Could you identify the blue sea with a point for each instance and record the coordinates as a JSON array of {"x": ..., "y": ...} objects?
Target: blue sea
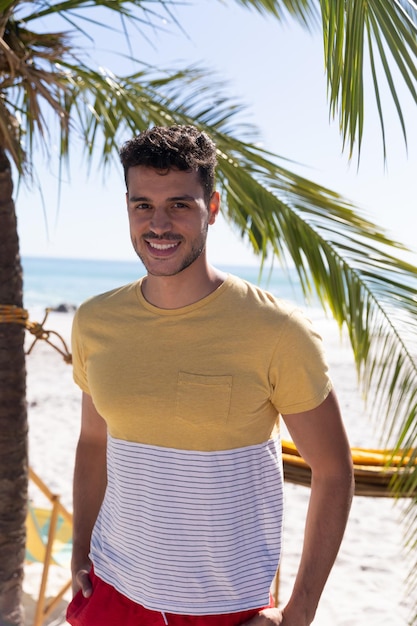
[{"x": 49, "y": 282}]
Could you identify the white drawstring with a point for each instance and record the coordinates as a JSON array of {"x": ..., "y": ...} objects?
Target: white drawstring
[{"x": 165, "y": 618}]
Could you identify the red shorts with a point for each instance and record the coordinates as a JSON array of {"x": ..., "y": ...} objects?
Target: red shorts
[{"x": 108, "y": 607}]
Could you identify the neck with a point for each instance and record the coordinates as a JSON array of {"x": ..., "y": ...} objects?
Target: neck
[{"x": 183, "y": 289}]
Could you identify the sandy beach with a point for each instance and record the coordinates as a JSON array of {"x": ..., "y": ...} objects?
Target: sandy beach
[{"x": 366, "y": 587}]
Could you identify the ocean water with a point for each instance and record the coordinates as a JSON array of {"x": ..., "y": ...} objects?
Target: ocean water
[{"x": 49, "y": 282}]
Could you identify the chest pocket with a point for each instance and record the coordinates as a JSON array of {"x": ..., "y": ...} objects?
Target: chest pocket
[{"x": 203, "y": 399}]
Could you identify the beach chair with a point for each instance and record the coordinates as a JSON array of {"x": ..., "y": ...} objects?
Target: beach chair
[{"x": 49, "y": 541}]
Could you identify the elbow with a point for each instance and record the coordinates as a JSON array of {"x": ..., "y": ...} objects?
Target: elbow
[
  {"x": 347, "y": 483},
  {"x": 339, "y": 480}
]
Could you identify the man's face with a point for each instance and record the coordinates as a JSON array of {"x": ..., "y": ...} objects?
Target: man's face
[{"x": 168, "y": 218}]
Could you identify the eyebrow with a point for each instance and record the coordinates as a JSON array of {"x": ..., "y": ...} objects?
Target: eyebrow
[{"x": 171, "y": 199}]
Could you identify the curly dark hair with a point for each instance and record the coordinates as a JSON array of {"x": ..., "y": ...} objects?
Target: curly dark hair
[{"x": 173, "y": 147}]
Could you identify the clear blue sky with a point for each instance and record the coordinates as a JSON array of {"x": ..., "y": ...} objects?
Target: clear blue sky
[{"x": 277, "y": 71}]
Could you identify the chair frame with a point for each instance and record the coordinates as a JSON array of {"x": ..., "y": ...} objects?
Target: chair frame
[{"x": 43, "y": 607}]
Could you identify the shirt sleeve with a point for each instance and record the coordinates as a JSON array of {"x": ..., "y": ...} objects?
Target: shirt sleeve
[
  {"x": 299, "y": 371},
  {"x": 78, "y": 354}
]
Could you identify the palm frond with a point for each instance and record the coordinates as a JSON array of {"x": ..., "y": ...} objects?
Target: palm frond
[
  {"x": 358, "y": 35},
  {"x": 305, "y": 11},
  {"x": 387, "y": 31},
  {"x": 75, "y": 12}
]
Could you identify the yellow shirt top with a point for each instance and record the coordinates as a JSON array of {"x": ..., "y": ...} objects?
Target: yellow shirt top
[{"x": 214, "y": 375}]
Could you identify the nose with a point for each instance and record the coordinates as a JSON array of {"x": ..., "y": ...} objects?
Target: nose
[{"x": 160, "y": 221}]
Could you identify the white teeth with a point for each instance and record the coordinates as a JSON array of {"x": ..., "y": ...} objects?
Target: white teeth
[{"x": 162, "y": 246}]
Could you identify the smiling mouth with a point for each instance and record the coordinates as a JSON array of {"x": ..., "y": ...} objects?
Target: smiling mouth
[
  {"x": 162, "y": 249},
  {"x": 162, "y": 246}
]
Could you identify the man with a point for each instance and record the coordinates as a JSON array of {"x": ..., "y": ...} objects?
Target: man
[{"x": 185, "y": 374}]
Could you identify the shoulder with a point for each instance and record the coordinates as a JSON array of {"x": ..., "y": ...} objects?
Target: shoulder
[
  {"x": 259, "y": 306},
  {"x": 103, "y": 303},
  {"x": 253, "y": 297}
]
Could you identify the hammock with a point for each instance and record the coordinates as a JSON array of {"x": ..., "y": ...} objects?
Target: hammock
[{"x": 375, "y": 470}]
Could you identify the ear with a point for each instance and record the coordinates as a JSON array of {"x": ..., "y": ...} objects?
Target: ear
[{"x": 214, "y": 207}]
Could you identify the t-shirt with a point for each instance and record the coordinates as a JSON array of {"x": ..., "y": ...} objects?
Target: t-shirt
[{"x": 192, "y": 516}]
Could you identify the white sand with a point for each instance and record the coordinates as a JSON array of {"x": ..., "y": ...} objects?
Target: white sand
[{"x": 366, "y": 587}]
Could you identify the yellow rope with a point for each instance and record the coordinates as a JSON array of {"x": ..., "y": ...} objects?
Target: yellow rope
[{"x": 11, "y": 314}]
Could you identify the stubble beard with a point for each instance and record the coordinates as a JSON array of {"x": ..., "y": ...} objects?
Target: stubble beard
[{"x": 197, "y": 249}]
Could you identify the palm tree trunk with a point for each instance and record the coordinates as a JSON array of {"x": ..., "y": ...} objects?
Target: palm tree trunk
[{"x": 13, "y": 415}]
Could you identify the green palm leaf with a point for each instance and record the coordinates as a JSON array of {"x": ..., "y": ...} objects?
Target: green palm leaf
[{"x": 385, "y": 30}]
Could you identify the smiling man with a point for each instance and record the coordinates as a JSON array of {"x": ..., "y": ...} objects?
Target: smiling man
[
  {"x": 186, "y": 373},
  {"x": 169, "y": 217}
]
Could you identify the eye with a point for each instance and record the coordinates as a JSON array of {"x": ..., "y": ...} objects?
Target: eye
[
  {"x": 180, "y": 205},
  {"x": 142, "y": 206}
]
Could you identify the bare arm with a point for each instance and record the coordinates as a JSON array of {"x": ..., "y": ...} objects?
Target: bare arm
[
  {"x": 88, "y": 489},
  {"x": 321, "y": 440}
]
